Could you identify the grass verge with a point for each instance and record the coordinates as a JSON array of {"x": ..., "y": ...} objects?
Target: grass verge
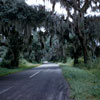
[
  {"x": 22, "y": 66},
  {"x": 84, "y": 83}
]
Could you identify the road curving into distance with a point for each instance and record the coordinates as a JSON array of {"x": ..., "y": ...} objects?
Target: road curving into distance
[{"x": 45, "y": 82}]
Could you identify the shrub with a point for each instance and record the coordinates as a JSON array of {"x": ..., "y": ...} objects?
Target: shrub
[
  {"x": 91, "y": 64},
  {"x": 6, "y": 63}
]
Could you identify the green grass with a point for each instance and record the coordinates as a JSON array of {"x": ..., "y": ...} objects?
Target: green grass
[
  {"x": 25, "y": 64},
  {"x": 22, "y": 66},
  {"x": 84, "y": 83},
  {"x": 92, "y": 64}
]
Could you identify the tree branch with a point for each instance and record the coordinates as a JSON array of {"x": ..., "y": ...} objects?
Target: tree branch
[{"x": 86, "y": 5}]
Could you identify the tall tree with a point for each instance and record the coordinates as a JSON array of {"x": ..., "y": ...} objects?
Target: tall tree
[
  {"x": 18, "y": 19},
  {"x": 76, "y": 10}
]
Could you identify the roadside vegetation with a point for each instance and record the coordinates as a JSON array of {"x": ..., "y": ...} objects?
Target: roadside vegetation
[
  {"x": 23, "y": 65},
  {"x": 84, "y": 79},
  {"x": 33, "y": 34}
]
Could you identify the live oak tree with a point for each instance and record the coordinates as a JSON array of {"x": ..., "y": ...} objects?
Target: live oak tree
[
  {"x": 17, "y": 20},
  {"x": 76, "y": 10},
  {"x": 57, "y": 42},
  {"x": 60, "y": 38}
]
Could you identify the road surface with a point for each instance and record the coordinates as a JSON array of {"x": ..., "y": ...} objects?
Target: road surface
[{"x": 45, "y": 82}]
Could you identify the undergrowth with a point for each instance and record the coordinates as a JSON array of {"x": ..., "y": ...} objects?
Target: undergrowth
[
  {"x": 84, "y": 80},
  {"x": 23, "y": 64}
]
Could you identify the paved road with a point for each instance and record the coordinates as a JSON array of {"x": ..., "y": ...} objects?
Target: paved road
[{"x": 43, "y": 83}]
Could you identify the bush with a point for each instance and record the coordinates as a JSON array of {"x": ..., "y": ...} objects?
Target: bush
[
  {"x": 91, "y": 64},
  {"x": 6, "y": 64}
]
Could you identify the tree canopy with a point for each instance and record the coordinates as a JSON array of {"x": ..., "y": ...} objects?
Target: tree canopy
[{"x": 38, "y": 34}]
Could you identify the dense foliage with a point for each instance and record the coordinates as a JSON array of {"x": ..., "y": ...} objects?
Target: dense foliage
[
  {"x": 17, "y": 22},
  {"x": 36, "y": 34}
]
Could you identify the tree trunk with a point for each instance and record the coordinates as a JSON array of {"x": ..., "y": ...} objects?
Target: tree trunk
[
  {"x": 75, "y": 60},
  {"x": 84, "y": 47},
  {"x": 84, "y": 51},
  {"x": 15, "y": 61},
  {"x": 83, "y": 44}
]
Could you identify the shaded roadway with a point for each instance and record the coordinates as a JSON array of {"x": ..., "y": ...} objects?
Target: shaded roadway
[{"x": 45, "y": 82}]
